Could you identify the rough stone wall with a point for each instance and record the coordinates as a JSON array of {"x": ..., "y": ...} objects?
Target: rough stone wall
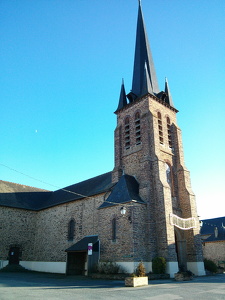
[
  {"x": 43, "y": 235},
  {"x": 147, "y": 162},
  {"x": 17, "y": 228},
  {"x": 214, "y": 251},
  {"x": 51, "y": 238},
  {"x": 130, "y": 243}
]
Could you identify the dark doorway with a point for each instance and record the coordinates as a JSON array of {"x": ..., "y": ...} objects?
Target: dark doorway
[
  {"x": 76, "y": 263},
  {"x": 14, "y": 254},
  {"x": 181, "y": 250}
]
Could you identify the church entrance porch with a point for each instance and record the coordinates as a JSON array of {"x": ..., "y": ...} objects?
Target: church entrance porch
[{"x": 82, "y": 256}]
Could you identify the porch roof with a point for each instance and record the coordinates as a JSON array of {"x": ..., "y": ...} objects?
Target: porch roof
[{"x": 82, "y": 245}]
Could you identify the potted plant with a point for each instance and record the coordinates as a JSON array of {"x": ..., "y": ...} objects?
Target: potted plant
[{"x": 138, "y": 278}]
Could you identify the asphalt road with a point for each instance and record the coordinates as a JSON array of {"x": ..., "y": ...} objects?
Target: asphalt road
[{"x": 39, "y": 286}]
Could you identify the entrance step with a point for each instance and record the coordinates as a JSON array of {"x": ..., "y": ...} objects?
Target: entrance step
[{"x": 13, "y": 268}]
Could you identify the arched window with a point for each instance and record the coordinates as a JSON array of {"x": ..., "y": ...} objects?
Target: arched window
[
  {"x": 127, "y": 133},
  {"x": 168, "y": 175},
  {"x": 114, "y": 229},
  {"x": 160, "y": 128},
  {"x": 71, "y": 228},
  {"x": 169, "y": 132},
  {"x": 170, "y": 178},
  {"x": 138, "y": 128}
]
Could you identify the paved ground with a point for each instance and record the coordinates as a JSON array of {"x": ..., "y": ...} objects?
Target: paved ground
[{"x": 39, "y": 286}]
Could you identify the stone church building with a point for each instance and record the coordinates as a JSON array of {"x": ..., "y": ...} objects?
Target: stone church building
[{"x": 142, "y": 209}]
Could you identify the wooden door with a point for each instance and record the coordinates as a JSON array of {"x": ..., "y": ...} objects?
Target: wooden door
[{"x": 76, "y": 263}]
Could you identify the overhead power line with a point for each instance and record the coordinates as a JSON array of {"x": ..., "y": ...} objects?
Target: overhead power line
[
  {"x": 47, "y": 183},
  {"x": 41, "y": 181}
]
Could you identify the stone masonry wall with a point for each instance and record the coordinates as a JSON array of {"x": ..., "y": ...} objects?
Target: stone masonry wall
[
  {"x": 51, "y": 238},
  {"x": 130, "y": 243},
  {"x": 17, "y": 228},
  {"x": 214, "y": 251},
  {"x": 147, "y": 162}
]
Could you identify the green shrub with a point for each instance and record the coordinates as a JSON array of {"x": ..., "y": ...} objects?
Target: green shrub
[
  {"x": 107, "y": 268},
  {"x": 140, "y": 271},
  {"x": 159, "y": 265},
  {"x": 210, "y": 265}
]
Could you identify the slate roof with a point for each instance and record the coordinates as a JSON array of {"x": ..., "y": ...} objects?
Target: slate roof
[
  {"x": 90, "y": 187},
  {"x": 30, "y": 198},
  {"x": 144, "y": 75},
  {"x": 123, "y": 97},
  {"x": 143, "y": 57},
  {"x": 22, "y": 196},
  {"x": 126, "y": 190},
  {"x": 25, "y": 197},
  {"x": 208, "y": 228}
]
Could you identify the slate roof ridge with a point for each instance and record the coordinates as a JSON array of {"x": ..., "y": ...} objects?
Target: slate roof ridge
[
  {"x": 36, "y": 199},
  {"x": 81, "y": 190},
  {"x": 83, "y": 181},
  {"x": 210, "y": 219},
  {"x": 24, "y": 185}
]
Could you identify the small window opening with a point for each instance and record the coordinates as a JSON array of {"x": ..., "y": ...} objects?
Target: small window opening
[
  {"x": 114, "y": 229},
  {"x": 170, "y": 179},
  {"x": 168, "y": 175},
  {"x": 71, "y": 228}
]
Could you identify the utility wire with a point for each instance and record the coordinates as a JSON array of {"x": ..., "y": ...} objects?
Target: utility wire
[{"x": 55, "y": 186}]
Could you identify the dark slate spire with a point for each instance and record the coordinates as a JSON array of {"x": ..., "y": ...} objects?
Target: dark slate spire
[
  {"x": 123, "y": 98},
  {"x": 142, "y": 56},
  {"x": 168, "y": 99},
  {"x": 146, "y": 88}
]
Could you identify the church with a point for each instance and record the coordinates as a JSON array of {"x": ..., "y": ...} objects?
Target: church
[{"x": 142, "y": 209}]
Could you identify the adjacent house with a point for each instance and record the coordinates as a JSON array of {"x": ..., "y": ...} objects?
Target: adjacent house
[{"x": 213, "y": 238}]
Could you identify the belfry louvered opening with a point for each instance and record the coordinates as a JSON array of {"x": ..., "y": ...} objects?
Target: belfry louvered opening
[
  {"x": 138, "y": 128},
  {"x": 127, "y": 133}
]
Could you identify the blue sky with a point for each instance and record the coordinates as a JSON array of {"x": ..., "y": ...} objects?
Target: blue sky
[{"x": 62, "y": 63}]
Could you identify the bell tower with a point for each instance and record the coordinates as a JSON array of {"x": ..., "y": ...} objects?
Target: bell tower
[{"x": 148, "y": 146}]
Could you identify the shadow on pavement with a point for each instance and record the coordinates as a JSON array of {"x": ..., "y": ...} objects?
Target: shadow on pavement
[{"x": 60, "y": 281}]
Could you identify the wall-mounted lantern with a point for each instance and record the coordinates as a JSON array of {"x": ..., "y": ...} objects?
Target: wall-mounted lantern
[{"x": 123, "y": 210}]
